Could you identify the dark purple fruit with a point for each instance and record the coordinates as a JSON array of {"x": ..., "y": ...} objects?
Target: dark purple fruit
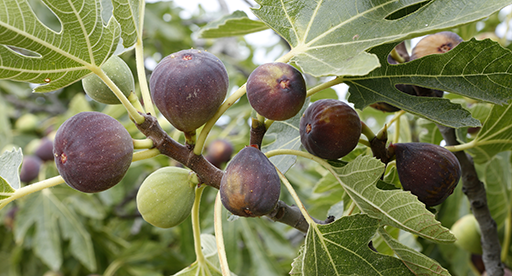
[
  {"x": 188, "y": 87},
  {"x": 45, "y": 150},
  {"x": 250, "y": 186},
  {"x": 330, "y": 129},
  {"x": 429, "y": 171},
  {"x": 437, "y": 43},
  {"x": 276, "y": 91},
  {"x": 30, "y": 168},
  {"x": 219, "y": 152},
  {"x": 92, "y": 151}
]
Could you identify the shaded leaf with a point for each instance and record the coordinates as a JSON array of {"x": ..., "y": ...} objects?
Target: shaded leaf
[
  {"x": 128, "y": 14},
  {"x": 497, "y": 180},
  {"x": 43, "y": 56},
  {"x": 475, "y": 69},
  {"x": 331, "y": 37},
  {"x": 415, "y": 261},
  {"x": 233, "y": 24},
  {"x": 341, "y": 248},
  {"x": 394, "y": 207},
  {"x": 495, "y": 135},
  {"x": 10, "y": 163}
]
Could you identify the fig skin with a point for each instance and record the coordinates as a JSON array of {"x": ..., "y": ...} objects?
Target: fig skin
[
  {"x": 429, "y": 171},
  {"x": 219, "y": 152},
  {"x": 330, "y": 129},
  {"x": 45, "y": 150},
  {"x": 437, "y": 43},
  {"x": 250, "y": 186},
  {"x": 119, "y": 72},
  {"x": 30, "y": 168},
  {"x": 467, "y": 232},
  {"x": 276, "y": 91},
  {"x": 92, "y": 151},
  {"x": 188, "y": 87},
  {"x": 166, "y": 196}
]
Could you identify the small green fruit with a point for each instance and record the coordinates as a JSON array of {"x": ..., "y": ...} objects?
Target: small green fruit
[
  {"x": 166, "y": 196},
  {"x": 27, "y": 123},
  {"x": 467, "y": 232},
  {"x": 117, "y": 70}
]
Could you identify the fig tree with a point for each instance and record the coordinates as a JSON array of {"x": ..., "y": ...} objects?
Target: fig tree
[
  {"x": 92, "y": 151},
  {"x": 429, "y": 171},
  {"x": 188, "y": 87},
  {"x": 276, "y": 90},
  {"x": 166, "y": 196},
  {"x": 330, "y": 129},
  {"x": 119, "y": 72},
  {"x": 250, "y": 186}
]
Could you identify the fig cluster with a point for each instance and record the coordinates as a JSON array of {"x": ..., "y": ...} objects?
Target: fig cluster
[
  {"x": 330, "y": 129},
  {"x": 276, "y": 90},
  {"x": 92, "y": 151},
  {"x": 166, "y": 196},
  {"x": 188, "y": 87},
  {"x": 250, "y": 186},
  {"x": 429, "y": 171}
]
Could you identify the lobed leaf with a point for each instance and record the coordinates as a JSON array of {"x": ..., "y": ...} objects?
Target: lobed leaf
[
  {"x": 32, "y": 52},
  {"x": 129, "y": 14},
  {"x": 233, "y": 24},
  {"x": 341, "y": 248},
  {"x": 10, "y": 163},
  {"x": 393, "y": 207},
  {"x": 330, "y": 37}
]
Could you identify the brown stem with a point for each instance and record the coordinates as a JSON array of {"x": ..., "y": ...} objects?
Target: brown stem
[
  {"x": 258, "y": 130},
  {"x": 474, "y": 189}
]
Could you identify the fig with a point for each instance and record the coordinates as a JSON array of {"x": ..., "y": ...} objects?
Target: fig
[
  {"x": 119, "y": 72},
  {"x": 27, "y": 123},
  {"x": 467, "y": 232},
  {"x": 330, "y": 129},
  {"x": 250, "y": 186},
  {"x": 188, "y": 87},
  {"x": 219, "y": 152},
  {"x": 45, "y": 150},
  {"x": 166, "y": 196},
  {"x": 437, "y": 43},
  {"x": 276, "y": 91},
  {"x": 429, "y": 171},
  {"x": 92, "y": 151},
  {"x": 30, "y": 168}
]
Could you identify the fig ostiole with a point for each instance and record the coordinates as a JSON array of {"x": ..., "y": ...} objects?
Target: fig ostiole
[
  {"x": 250, "y": 186},
  {"x": 166, "y": 196}
]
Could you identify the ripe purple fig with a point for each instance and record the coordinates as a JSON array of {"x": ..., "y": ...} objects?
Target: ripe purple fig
[
  {"x": 92, "y": 151},
  {"x": 276, "y": 90},
  {"x": 330, "y": 129},
  {"x": 429, "y": 171},
  {"x": 250, "y": 186},
  {"x": 219, "y": 152},
  {"x": 188, "y": 87},
  {"x": 30, "y": 168},
  {"x": 437, "y": 43},
  {"x": 45, "y": 150}
]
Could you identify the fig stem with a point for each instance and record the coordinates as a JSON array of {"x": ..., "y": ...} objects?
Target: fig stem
[
  {"x": 219, "y": 237},
  {"x": 141, "y": 73},
  {"x": 461, "y": 147},
  {"x": 139, "y": 119},
  {"x": 396, "y": 56},
  {"x": 396, "y": 117},
  {"x": 209, "y": 125},
  {"x": 295, "y": 197},
  {"x": 145, "y": 154},
  {"x": 506, "y": 242},
  {"x": 142, "y": 144},
  {"x": 364, "y": 142},
  {"x": 324, "y": 86},
  {"x": 196, "y": 227},
  {"x": 32, "y": 188},
  {"x": 396, "y": 135},
  {"x": 366, "y": 131},
  {"x": 134, "y": 100}
]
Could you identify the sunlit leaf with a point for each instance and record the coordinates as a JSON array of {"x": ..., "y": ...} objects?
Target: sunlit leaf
[
  {"x": 393, "y": 207},
  {"x": 32, "y": 52},
  {"x": 341, "y": 248},
  {"x": 331, "y": 37},
  {"x": 233, "y": 24},
  {"x": 128, "y": 14},
  {"x": 10, "y": 163}
]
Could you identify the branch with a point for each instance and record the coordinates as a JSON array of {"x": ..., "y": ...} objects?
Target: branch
[{"x": 474, "y": 189}]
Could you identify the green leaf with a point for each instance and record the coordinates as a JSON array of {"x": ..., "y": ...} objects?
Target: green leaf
[
  {"x": 497, "y": 180},
  {"x": 129, "y": 13},
  {"x": 212, "y": 266},
  {"x": 341, "y": 248},
  {"x": 10, "y": 163},
  {"x": 5, "y": 126},
  {"x": 418, "y": 263},
  {"x": 52, "y": 219},
  {"x": 475, "y": 69},
  {"x": 495, "y": 135},
  {"x": 233, "y": 24},
  {"x": 57, "y": 59},
  {"x": 393, "y": 207},
  {"x": 331, "y": 37}
]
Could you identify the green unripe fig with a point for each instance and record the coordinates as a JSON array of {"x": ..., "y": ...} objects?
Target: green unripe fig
[
  {"x": 166, "y": 196},
  {"x": 119, "y": 72},
  {"x": 27, "y": 123},
  {"x": 467, "y": 232}
]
